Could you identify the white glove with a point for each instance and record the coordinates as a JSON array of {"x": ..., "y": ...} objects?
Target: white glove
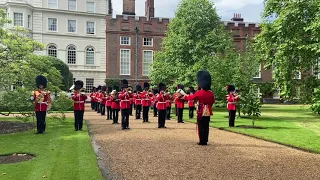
[{"x": 182, "y": 92}]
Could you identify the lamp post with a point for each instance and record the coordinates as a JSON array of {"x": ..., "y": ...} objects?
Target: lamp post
[{"x": 136, "y": 55}]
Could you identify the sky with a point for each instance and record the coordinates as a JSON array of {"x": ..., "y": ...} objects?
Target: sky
[{"x": 250, "y": 10}]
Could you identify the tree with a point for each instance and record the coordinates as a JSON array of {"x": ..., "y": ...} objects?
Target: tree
[
  {"x": 65, "y": 72},
  {"x": 193, "y": 37},
  {"x": 291, "y": 41}
]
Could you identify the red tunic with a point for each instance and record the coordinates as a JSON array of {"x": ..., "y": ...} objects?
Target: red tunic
[
  {"x": 79, "y": 101},
  {"x": 92, "y": 96},
  {"x": 109, "y": 101},
  {"x": 42, "y": 106},
  {"x": 191, "y": 102},
  {"x": 168, "y": 101},
  {"x": 179, "y": 101},
  {"x": 146, "y": 99},
  {"x": 125, "y": 100},
  {"x": 115, "y": 103},
  {"x": 131, "y": 98},
  {"x": 204, "y": 97},
  {"x": 103, "y": 99},
  {"x": 137, "y": 99},
  {"x": 161, "y": 104},
  {"x": 232, "y": 102},
  {"x": 98, "y": 97}
]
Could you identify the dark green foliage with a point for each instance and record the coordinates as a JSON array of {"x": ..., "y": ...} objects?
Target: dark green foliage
[
  {"x": 67, "y": 81},
  {"x": 62, "y": 103}
]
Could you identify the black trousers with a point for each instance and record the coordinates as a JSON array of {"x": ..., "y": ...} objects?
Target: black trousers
[
  {"x": 138, "y": 111},
  {"x": 134, "y": 106},
  {"x": 168, "y": 113},
  {"x": 130, "y": 110},
  {"x": 191, "y": 112},
  {"x": 232, "y": 116},
  {"x": 155, "y": 110},
  {"x": 145, "y": 114},
  {"x": 115, "y": 113},
  {"x": 98, "y": 107},
  {"x": 102, "y": 109},
  {"x": 203, "y": 129},
  {"x": 125, "y": 118},
  {"x": 180, "y": 114},
  {"x": 78, "y": 119},
  {"x": 92, "y": 105},
  {"x": 109, "y": 112},
  {"x": 176, "y": 109},
  {"x": 162, "y": 118},
  {"x": 41, "y": 121}
]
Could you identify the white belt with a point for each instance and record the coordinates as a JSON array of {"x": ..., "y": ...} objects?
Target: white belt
[
  {"x": 42, "y": 103},
  {"x": 125, "y": 100},
  {"x": 161, "y": 102},
  {"x": 79, "y": 102},
  {"x": 138, "y": 99},
  {"x": 145, "y": 99},
  {"x": 130, "y": 98},
  {"x": 168, "y": 101}
]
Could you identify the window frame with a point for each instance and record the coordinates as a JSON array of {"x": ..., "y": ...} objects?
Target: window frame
[
  {"x": 94, "y": 6},
  {"x": 317, "y": 72},
  {"x": 29, "y": 21},
  {"x": 57, "y": 5},
  {"x": 144, "y": 38},
  {"x": 143, "y": 62},
  {"x": 299, "y": 77},
  {"x": 22, "y": 20},
  {"x": 56, "y": 24},
  {"x": 125, "y": 44},
  {"x": 129, "y": 68},
  {"x": 94, "y": 55},
  {"x": 94, "y": 28},
  {"x": 75, "y": 26},
  {"x": 76, "y": 6},
  {"x": 88, "y": 89},
  {"x": 71, "y": 45},
  {"x": 259, "y": 76},
  {"x": 55, "y": 49}
]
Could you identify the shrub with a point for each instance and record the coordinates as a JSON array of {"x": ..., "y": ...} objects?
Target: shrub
[
  {"x": 62, "y": 103},
  {"x": 250, "y": 104},
  {"x": 315, "y": 107}
]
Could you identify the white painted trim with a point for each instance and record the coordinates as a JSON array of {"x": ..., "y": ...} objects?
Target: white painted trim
[
  {"x": 299, "y": 77},
  {"x": 76, "y": 6},
  {"x": 67, "y": 54},
  {"x": 94, "y": 26},
  {"x": 143, "y": 61},
  {"x": 258, "y": 77},
  {"x": 68, "y": 26},
  {"x": 94, "y": 6},
  {"x": 57, "y": 30},
  {"x": 22, "y": 19},
  {"x": 147, "y": 45},
  {"x": 57, "y": 7},
  {"x": 126, "y": 44},
  {"x": 57, "y": 48},
  {"x": 129, "y": 63},
  {"x": 94, "y": 56}
]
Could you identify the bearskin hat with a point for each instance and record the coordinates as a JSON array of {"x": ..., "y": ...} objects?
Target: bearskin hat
[
  {"x": 155, "y": 91},
  {"x": 116, "y": 88},
  {"x": 138, "y": 88},
  {"x": 124, "y": 83},
  {"x": 94, "y": 89},
  {"x": 78, "y": 85},
  {"x": 204, "y": 80},
  {"x": 41, "y": 80},
  {"x": 161, "y": 87},
  {"x": 99, "y": 88},
  {"x": 109, "y": 89},
  {"x": 180, "y": 86},
  {"x": 191, "y": 90},
  {"x": 104, "y": 88},
  {"x": 146, "y": 86},
  {"x": 231, "y": 88}
]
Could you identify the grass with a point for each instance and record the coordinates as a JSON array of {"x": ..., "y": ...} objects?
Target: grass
[
  {"x": 293, "y": 125},
  {"x": 61, "y": 153}
]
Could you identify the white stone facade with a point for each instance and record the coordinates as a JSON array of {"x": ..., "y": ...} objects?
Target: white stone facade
[{"x": 73, "y": 29}]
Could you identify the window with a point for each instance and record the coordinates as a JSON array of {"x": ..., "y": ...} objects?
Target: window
[
  {"x": 147, "y": 41},
  {"x": 258, "y": 72},
  {"x": 72, "y": 25},
  {"x": 125, "y": 59},
  {"x": 316, "y": 69},
  {"x": 90, "y": 55},
  {"x": 90, "y": 7},
  {"x": 297, "y": 75},
  {"x": 276, "y": 94},
  {"x": 17, "y": 19},
  {"x": 72, "y": 5},
  {"x": 147, "y": 61},
  {"x": 52, "y": 50},
  {"x": 52, "y": 3},
  {"x": 29, "y": 21},
  {"x": 90, "y": 27},
  {"x": 72, "y": 54},
  {"x": 89, "y": 85},
  {"x": 52, "y": 24},
  {"x": 124, "y": 40}
]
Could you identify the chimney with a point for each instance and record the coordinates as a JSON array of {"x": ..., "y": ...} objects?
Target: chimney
[
  {"x": 129, "y": 7},
  {"x": 149, "y": 8},
  {"x": 237, "y": 17}
]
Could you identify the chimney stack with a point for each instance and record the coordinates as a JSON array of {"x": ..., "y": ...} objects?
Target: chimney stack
[
  {"x": 129, "y": 7},
  {"x": 237, "y": 17},
  {"x": 149, "y": 8}
]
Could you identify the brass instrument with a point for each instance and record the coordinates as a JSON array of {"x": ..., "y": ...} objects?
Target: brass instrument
[{"x": 129, "y": 89}]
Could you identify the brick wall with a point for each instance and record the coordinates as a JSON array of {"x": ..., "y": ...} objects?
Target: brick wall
[{"x": 129, "y": 7}]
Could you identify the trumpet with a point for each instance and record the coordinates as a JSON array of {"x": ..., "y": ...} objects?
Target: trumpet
[
  {"x": 150, "y": 91},
  {"x": 129, "y": 90}
]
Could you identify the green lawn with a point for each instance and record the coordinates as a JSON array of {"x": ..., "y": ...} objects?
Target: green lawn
[
  {"x": 61, "y": 153},
  {"x": 293, "y": 125}
]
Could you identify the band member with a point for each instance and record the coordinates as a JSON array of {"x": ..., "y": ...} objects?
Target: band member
[
  {"x": 109, "y": 104},
  {"x": 98, "y": 98},
  {"x": 115, "y": 105},
  {"x": 42, "y": 101},
  {"x": 131, "y": 99},
  {"x": 232, "y": 99},
  {"x": 103, "y": 100},
  {"x": 155, "y": 101},
  {"x": 175, "y": 101},
  {"x": 124, "y": 104},
  {"x": 79, "y": 99},
  {"x": 134, "y": 95},
  {"x": 180, "y": 103},
  {"x": 138, "y": 102},
  {"x": 206, "y": 99},
  {"x": 191, "y": 103},
  {"x": 92, "y": 96},
  {"x": 146, "y": 101},
  {"x": 161, "y": 106},
  {"x": 169, "y": 99}
]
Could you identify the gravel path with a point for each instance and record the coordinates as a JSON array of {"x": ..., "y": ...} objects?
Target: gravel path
[{"x": 146, "y": 153}]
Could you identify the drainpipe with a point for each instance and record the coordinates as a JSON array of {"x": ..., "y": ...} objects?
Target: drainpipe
[{"x": 136, "y": 30}]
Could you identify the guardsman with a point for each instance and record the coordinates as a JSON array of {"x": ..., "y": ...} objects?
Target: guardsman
[
  {"x": 131, "y": 99},
  {"x": 103, "y": 100},
  {"x": 175, "y": 95},
  {"x": 98, "y": 98},
  {"x": 205, "y": 98},
  {"x": 169, "y": 99},
  {"x": 155, "y": 93},
  {"x": 138, "y": 101},
  {"x": 124, "y": 104},
  {"x": 191, "y": 103},
  {"x": 161, "y": 106},
  {"x": 79, "y": 99},
  {"x": 134, "y": 100},
  {"x": 92, "y": 98},
  {"x": 115, "y": 105},
  {"x": 232, "y": 99},
  {"x": 42, "y": 101},
  {"x": 180, "y": 103},
  {"x": 109, "y": 104},
  {"x": 146, "y": 101}
]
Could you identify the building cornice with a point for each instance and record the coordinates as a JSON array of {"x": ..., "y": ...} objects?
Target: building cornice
[
  {"x": 70, "y": 35},
  {"x": 133, "y": 33}
]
